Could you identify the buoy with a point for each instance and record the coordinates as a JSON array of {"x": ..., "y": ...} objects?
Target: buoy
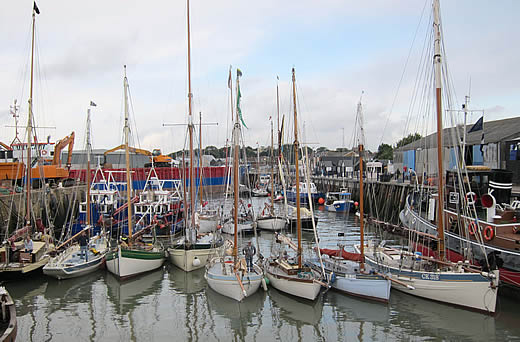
[
  {"x": 321, "y": 200},
  {"x": 356, "y": 204},
  {"x": 264, "y": 283},
  {"x": 196, "y": 262}
]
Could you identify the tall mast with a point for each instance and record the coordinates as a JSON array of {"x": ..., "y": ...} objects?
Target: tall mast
[
  {"x": 190, "y": 126},
  {"x": 127, "y": 157},
  {"x": 296, "y": 147},
  {"x": 89, "y": 148},
  {"x": 438, "y": 94},
  {"x": 200, "y": 159},
  {"x": 361, "y": 195},
  {"x": 278, "y": 112},
  {"x": 29, "y": 127},
  {"x": 236, "y": 161},
  {"x": 272, "y": 173}
]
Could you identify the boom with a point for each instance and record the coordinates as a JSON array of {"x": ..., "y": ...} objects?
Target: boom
[{"x": 60, "y": 145}]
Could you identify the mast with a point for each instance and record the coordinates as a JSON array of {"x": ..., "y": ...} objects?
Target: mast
[
  {"x": 89, "y": 148},
  {"x": 236, "y": 161},
  {"x": 465, "y": 109},
  {"x": 361, "y": 185},
  {"x": 438, "y": 93},
  {"x": 200, "y": 159},
  {"x": 190, "y": 125},
  {"x": 296, "y": 147},
  {"x": 272, "y": 173},
  {"x": 127, "y": 157},
  {"x": 278, "y": 111},
  {"x": 29, "y": 126},
  {"x": 361, "y": 212}
]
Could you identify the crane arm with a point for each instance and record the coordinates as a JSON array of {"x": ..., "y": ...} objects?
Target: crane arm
[
  {"x": 131, "y": 149},
  {"x": 60, "y": 145}
]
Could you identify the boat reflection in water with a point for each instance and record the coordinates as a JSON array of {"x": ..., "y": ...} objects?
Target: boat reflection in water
[
  {"x": 245, "y": 317},
  {"x": 126, "y": 295},
  {"x": 436, "y": 319},
  {"x": 295, "y": 318},
  {"x": 294, "y": 309},
  {"x": 73, "y": 290},
  {"x": 186, "y": 282}
]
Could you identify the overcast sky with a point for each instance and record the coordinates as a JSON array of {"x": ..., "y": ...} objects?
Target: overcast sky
[{"x": 339, "y": 49}]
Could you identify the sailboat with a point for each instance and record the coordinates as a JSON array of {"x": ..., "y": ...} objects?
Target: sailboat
[
  {"x": 437, "y": 279},
  {"x": 348, "y": 270},
  {"x": 268, "y": 220},
  {"x": 296, "y": 278},
  {"x": 69, "y": 263},
  {"x": 192, "y": 252},
  {"x": 129, "y": 259},
  {"x": 15, "y": 262},
  {"x": 228, "y": 274}
]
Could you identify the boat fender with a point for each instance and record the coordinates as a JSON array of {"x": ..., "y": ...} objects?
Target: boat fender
[
  {"x": 489, "y": 233},
  {"x": 472, "y": 228},
  {"x": 332, "y": 277},
  {"x": 196, "y": 262},
  {"x": 471, "y": 197},
  {"x": 264, "y": 283}
]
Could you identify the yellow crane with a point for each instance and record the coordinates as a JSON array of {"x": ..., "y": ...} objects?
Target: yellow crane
[{"x": 158, "y": 159}]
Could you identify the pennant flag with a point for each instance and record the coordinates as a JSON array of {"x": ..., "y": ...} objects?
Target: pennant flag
[
  {"x": 229, "y": 79},
  {"x": 35, "y": 8},
  {"x": 477, "y": 126},
  {"x": 92, "y": 104},
  {"x": 239, "y": 95},
  {"x": 239, "y": 72},
  {"x": 280, "y": 135}
]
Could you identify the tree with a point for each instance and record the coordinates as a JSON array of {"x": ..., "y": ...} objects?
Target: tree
[
  {"x": 322, "y": 149},
  {"x": 385, "y": 151},
  {"x": 408, "y": 139}
]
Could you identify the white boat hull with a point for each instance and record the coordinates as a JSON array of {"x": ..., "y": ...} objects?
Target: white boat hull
[
  {"x": 293, "y": 285},
  {"x": 245, "y": 228},
  {"x": 348, "y": 280},
  {"x": 127, "y": 263},
  {"x": 356, "y": 285},
  {"x": 271, "y": 223},
  {"x": 70, "y": 265},
  {"x": 186, "y": 259},
  {"x": 228, "y": 285},
  {"x": 466, "y": 289}
]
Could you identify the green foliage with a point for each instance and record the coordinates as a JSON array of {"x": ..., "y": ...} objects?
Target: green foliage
[
  {"x": 408, "y": 139},
  {"x": 385, "y": 151}
]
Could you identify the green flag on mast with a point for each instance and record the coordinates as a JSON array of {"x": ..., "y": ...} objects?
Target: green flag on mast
[{"x": 239, "y": 95}]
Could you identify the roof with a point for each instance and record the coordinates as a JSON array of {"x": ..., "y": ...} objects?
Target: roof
[{"x": 494, "y": 131}]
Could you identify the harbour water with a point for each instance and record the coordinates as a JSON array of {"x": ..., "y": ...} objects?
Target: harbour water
[{"x": 170, "y": 305}]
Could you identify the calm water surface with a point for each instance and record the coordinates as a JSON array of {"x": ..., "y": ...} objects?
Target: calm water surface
[{"x": 169, "y": 304}]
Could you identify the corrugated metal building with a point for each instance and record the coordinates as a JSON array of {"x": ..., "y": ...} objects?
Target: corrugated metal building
[{"x": 501, "y": 149}]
